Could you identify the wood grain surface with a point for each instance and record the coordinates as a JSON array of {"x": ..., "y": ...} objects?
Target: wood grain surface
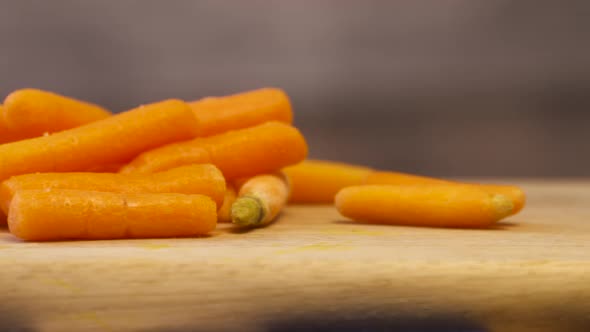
[{"x": 313, "y": 270}]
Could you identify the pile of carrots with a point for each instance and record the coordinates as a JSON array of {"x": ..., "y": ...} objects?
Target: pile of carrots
[{"x": 70, "y": 169}]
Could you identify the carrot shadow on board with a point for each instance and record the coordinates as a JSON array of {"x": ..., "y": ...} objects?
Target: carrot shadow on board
[
  {"x": 573, "y": 321},
  {"x": 12, "y": 319},
  {"x": 233, "y": 229},
  {"x": 242, "y": 230},
  {"x": 502, "y": 225},
  {"x": 347, "y": 323},
  {"x": 442, "y": 323}
]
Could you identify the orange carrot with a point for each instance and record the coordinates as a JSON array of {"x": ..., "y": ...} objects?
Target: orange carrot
[
  {"x": 7, "y": 134},
  {"x": 106, "y": 168},
  {"x": 224, "y": 212},
  {"x": 61, "y": 214},
  {"x": 433, "y": 205},
  {"x": 193, "y": 179},
  {"x": 112, "y": 140},
  {"x": 395, "y": 178},
  {"x": 318, "y": 181},
  {"x": 219, "y": 114},
  {"x": 260, "y": 200},
  {"x": 33, "y": 112},
  {"x": 239, "y": 182},
  {"x": 240, "y": 153}
]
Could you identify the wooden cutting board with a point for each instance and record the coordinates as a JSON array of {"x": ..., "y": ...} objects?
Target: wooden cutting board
[{"x": 315, "y": 270}]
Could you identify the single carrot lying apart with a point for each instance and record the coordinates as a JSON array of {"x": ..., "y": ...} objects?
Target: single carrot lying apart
[
  {"x": 240, "y": 153},
  {"x": 33, "y": 112},
  {"x": 434, "y": 205},
  {"x": 112, "y": 140},
  {"x": 220, "y": 114},
  {"x": 43, "y": 215},
  {"x": 317, "y": 181},
  {"x": 516, "y": 194},
  {"x": 224, "y": 212},
  {"x": 260, "y": 200},
  {"x": 193, "y": 179}
]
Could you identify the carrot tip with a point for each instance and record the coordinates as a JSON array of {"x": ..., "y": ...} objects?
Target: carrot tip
[
  {"x": 503, "y": 205},
  {"x": 247, "y": 211}
]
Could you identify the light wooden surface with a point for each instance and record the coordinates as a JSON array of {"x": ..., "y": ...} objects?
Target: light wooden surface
[{"x": 313, "y": 269}]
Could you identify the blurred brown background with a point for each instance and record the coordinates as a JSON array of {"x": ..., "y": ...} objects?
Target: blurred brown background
[{"x": 441, "y": 87}]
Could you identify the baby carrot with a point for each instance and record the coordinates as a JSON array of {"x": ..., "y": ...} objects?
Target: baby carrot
[
  {"x": 396, "y": 178},
  {"x": 318, "y": 181},
  {"x": 242, "y": 110},
  {"x": 112, "y": 140},
  {"x": 7, "y": 134},
  {"x": 106, "y": 168},
  {"x": 260, "y": 200},
  {"x": 61, "y": 214},
  {"x": 33, "y": 112},
  {"x": 224, "y": 212},
  {"x": 434, "y": 205},
  {"x": 193, "y": 179},
  {"x": 240, "y": 153}
]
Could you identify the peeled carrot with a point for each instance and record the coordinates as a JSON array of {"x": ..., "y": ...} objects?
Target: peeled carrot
[
  {"x": 260, "y": 200},
  {"x": 433, "y": 205},
  {"x": 242, "y": 110},
  {"x": 7, "y": 134},
  {"x": 516, "y": 194},
  {"x": 239, "y": 182},
  {"x": 33, "y": 112},
  {"x": 193, "y": 179},
  {"x": 60, "y": 214},
  {"x": 318, "y": 181},
  {"x": 112, "y": 140},
  {"x": 106, "y": 168},
  {"x": 240, "y": 153},
  {"x": 224, "y": 212}
]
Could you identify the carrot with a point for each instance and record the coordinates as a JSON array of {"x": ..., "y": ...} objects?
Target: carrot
[
  {"x": 396, "y": 178},
  {"x": 112, "y": 140},
  {"x": 193, "y": 179},
  {"x": 434, "y": 205},
  {"x": 60, "y": 214},
  {"x": 7, "y": 134},
  {"x": 260, "y": 200},
  {"x": 318, "y": 181},
  {"x": 220, "y": 114},
  {"x": 33, "y": 112},
  {"x": 224, "y": 212},
  {"x": 240, "y": 153},
  {"x": 106, "y": 168},
  {"x": 239, "y": 182}
]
